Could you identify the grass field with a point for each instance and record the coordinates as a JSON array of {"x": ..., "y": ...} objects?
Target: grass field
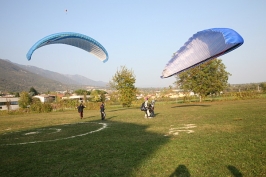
[{"x": 197, "y": 139}]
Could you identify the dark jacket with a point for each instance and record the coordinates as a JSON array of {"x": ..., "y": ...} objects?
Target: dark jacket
[
  {"x": 80, "y": 108},
  {"x": 102, "y": 107}
]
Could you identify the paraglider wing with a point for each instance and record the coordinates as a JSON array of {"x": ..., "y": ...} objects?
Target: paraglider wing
[
  {"x": 74, "y": 39},
  {"x": 201, "y": 47}
]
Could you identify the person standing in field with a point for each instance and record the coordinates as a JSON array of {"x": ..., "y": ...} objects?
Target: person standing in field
[
  {"x": 146, "y": 104},
  {"x": 102, "y": 108},
  {"x": 80, "y": 109},
  {"x": 152, "y": 108}
]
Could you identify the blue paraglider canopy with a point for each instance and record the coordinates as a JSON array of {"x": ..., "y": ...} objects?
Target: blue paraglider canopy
[
  {"x": 74, "y": 39},
  {"x": 201, "y": 47}
]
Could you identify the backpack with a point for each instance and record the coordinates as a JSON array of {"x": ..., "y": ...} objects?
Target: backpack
[{"x": 142, "y": 108}]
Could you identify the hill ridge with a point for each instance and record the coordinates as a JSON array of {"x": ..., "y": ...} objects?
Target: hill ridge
[{"x": 16, "y": 77}]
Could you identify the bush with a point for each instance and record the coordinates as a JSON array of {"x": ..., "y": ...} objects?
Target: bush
[
  {"x": 47, "y": 107},
  {"x": 38, "y": 106},
  {"x": 240, "y": 95},
  {"x": 19, "y": 111},
  {"x": 65, "y": 104},
  {"x": 93, "y": 105}
]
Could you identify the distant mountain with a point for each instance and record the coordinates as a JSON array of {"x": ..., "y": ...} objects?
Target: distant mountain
[
  {"x": 17, "y": 78},
  {"x": 63, "y": 78},
  {"x": 85, "y": 81}
]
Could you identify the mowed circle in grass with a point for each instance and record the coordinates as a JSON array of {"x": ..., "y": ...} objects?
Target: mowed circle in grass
[{"x": 48, "y": 134}]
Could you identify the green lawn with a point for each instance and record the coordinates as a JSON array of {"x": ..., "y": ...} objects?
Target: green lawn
[{"x": 197, "y": 139}]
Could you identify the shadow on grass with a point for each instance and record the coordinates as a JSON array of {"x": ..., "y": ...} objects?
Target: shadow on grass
[
  {"x": 181, "y": 170},
  {"x": 119, "y": 109},
  {"x": 156, "y": 114},
  {"x": 234, "y": 171},
  {"x": 191, "y": 105},
  {"x": 88, "y": 117},
  {"x": 109, "y": 118},
  {"x": 117, "y": 150}
]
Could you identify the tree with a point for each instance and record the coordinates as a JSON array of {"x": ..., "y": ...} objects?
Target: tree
[
  {"x": 17, "y": 94},
  {"x": 208, "y": 78},
  {"x": 8, "y": 105},
  {"x": 263, "y": 86},
  {"x": 103, "y": 98},
  {"x": 114, "y": 97},
  {"x": 33, "y": 91},
  {"x": 82, "y": 92},
  {"x": 24, "y": 100},
  {"x": 123, "y": 81},
  {"x": 95, "y": 96}
]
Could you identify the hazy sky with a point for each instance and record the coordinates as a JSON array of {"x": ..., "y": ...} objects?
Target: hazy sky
[{"x": 141, "y": 35}]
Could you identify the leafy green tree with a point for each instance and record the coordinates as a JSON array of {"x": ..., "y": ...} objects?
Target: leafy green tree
[
  {"x": 82, "y": 92},
  {"x": 17, "y": 94},
  {"x": 95, "y": 96},
  {"x": 85, "y": 98},
  {"x": 100, "y": 91},
  {"x": 263, "y": 86},
  {"x": 114, "y": 97},
  {"x": 33, "y": 91},
  {"x": 8, "y": 104},
  {"x": 102, "y": 97},
  {"x": 24, "y": 100},
  {"x": 208, "y": 78},
  {"x": 36, "y": 105},
  {"x": 123, "y": 81}
]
